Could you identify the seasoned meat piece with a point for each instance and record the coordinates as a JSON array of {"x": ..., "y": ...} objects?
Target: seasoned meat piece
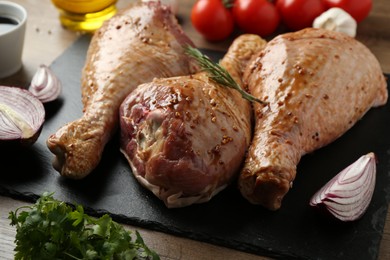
[
  {"x": 318, "y": 84},
  {"x": 185, "y": 138},
  {"x": 140, "y": 43}
]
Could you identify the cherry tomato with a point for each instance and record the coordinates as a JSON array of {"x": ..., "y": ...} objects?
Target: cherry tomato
[
  {"x": 212, "y": 19},
  {"x": 358, "y": 9},
  {"x": 256, "y": 16},
  {"x": 299, "y": 14}
]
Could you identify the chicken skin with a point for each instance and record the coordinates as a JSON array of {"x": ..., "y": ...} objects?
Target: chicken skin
[
  {"x": 185, "y": 137},
  {"x": 140, "y": 43},
  {"x": 318, "y": 84}
]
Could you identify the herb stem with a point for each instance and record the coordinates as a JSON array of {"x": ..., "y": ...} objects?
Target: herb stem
[{"x": 219, "y": 74}]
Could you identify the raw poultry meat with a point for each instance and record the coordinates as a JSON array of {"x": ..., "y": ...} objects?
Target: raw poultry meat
[
  {"x": 140, "y": 43},
  {"x": 185, "y": 138},
  {"x": 318, "y": 84}
]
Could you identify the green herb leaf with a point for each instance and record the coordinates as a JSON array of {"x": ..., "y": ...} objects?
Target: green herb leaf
[
  {"x": 51, "y": 229},
  {"x": 219, "y": 74}
]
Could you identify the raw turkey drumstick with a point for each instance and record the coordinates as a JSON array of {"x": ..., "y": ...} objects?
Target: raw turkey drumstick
[
  {"x": 140, "y": 43},
  {"x": 318, "y": 84},
  {"x": 185, "y": 137}
]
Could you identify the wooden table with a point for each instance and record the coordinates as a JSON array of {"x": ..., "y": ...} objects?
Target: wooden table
[{"x": 46, "y": 39}]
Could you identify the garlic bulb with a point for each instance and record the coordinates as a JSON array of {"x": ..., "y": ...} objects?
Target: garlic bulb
[{"x": 336, "y": 19}]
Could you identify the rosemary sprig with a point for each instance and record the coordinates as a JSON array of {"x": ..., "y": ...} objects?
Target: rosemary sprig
[{"x": 219, "y": 74}]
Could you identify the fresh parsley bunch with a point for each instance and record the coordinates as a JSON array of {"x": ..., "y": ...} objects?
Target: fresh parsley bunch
[{"x": 51, "y": 229}]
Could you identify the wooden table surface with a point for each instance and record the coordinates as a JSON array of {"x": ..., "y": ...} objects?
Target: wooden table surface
[{"x": 46, "y": 40}]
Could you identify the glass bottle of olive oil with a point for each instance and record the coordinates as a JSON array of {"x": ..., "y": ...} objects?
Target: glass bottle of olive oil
[{"x": 84, "y": 15}]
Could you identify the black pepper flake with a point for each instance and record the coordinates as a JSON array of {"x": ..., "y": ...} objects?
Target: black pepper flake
[
  {"x": 144, "y": 39},
  {"x": 276, "y": 133},
  {"x": 259, "y": 114},
  {"x": 216, "y": 149}
]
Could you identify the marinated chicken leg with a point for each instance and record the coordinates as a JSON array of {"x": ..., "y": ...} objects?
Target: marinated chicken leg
[
  {"x": 318, "y": 84},
  {"x": 140, "y": 43},
  {"x": 185, "y": 138}
]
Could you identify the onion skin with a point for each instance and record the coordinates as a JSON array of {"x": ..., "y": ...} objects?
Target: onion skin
[
  {"x": 21, "y": 116},
  {"x": 45, "y": 85},
  {"x": 348, "y": 195}
]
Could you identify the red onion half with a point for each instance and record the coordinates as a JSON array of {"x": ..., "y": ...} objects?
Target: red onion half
[
  {"x": 347, "y": 195},
  {"x": 45, "y": 85},
  {"x": 21, "y": 115}
]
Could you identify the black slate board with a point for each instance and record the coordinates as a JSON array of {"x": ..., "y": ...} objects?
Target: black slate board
[{"x": 295, "y": 231}]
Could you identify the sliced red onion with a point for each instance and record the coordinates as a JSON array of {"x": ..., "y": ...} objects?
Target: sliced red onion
[
  {"x": 348, "y": 195},
  {"x": 21, "y": 115},
  {"x": 45, "y": 85}
]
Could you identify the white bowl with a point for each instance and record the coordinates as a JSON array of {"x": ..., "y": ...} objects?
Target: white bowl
[{"x": 11, "y": 37}]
